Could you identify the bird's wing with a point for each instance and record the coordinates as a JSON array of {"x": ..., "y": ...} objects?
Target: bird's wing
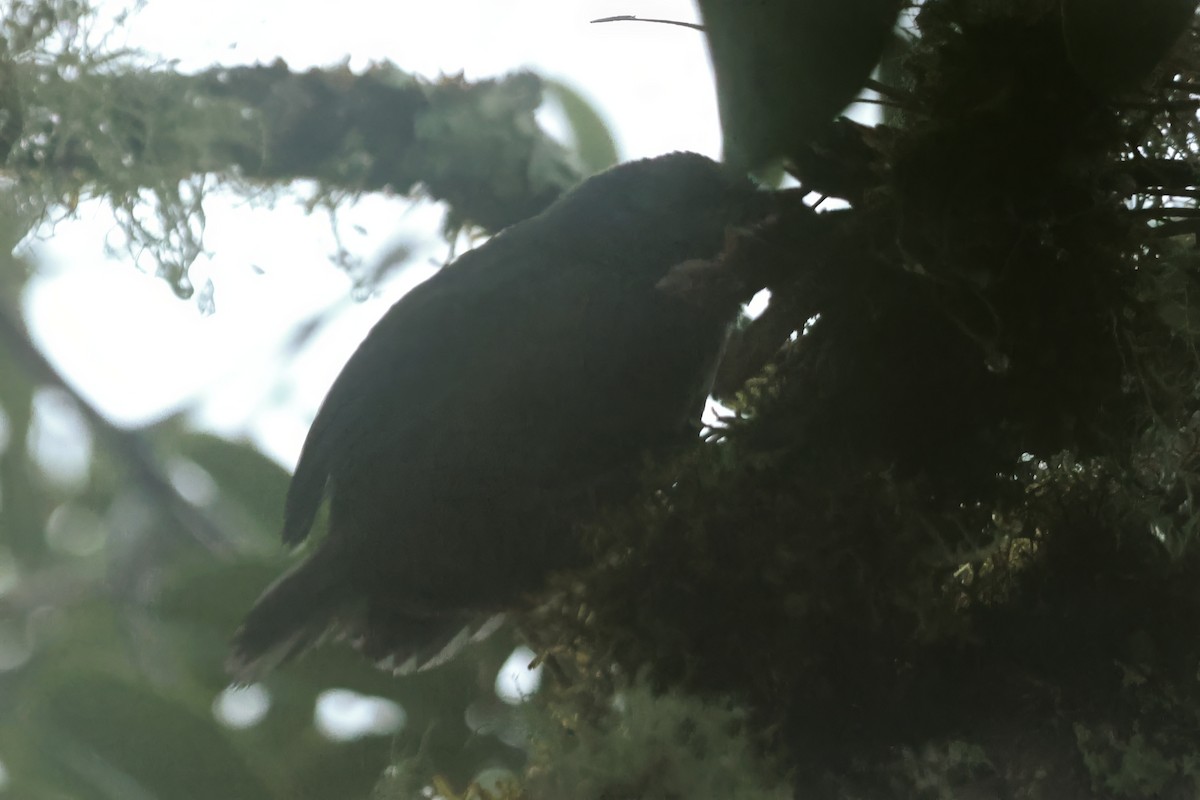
[
  {"x": 536, "y": 370},
  {"x": 383, "y": 382}
]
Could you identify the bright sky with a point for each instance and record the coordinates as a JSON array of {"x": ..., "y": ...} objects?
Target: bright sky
[{"x": 139, "y": 353}]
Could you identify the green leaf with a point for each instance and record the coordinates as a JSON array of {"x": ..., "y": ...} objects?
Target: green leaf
[
  {"x": 249, "y": 481},
  {"x": 126, "y": 742},
  {"x": 786, "y": 68},
  {"x": 593, "y": 141}
]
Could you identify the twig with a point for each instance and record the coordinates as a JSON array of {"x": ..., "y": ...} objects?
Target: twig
[
  {"x": 895, "y": 93},
  {"x": 1179, "y": 227},
  {"x": 1164, "y": 212},
  {"x": 632, "y": 18}
]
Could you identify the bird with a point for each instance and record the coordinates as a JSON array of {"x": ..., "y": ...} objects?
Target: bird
[{"x": 495, "y": 407}]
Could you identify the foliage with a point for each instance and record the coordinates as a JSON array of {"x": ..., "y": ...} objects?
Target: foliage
[
  {"x": 954, "y": 514},
  {"x": 648, "y": 744}
]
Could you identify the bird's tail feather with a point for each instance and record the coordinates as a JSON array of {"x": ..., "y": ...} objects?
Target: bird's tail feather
[
  {"x": 407, "y": 644},
  {"x": 319, "y": 597},
  {"x": 295, "y": 613}
]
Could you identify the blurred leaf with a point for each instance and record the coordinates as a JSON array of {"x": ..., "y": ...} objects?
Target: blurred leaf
[
  {"x": 593, "y": 141},
  {"x": 111, "y": 735},
  {"x": 213, "y": 592},
  {"x": 786, "y": 68},
  {"x": 24, "y": 503},
  {"x": 254, "y": 483}
]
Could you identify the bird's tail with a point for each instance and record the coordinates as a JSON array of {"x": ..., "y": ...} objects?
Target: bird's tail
[
  {"x": 320, "y": 597},
  {"x": 295, "y": 613}
]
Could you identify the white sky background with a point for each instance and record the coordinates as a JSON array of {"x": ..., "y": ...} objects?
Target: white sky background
[{"x": 138, "y": 353}]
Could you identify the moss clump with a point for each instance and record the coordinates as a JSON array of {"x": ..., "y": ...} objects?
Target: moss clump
[{"x": 951, "y": 506}]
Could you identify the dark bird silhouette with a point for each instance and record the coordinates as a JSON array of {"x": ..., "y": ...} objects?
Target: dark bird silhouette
[{"x": 497, "y": 405}]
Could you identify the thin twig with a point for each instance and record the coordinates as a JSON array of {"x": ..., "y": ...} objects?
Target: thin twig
[
  {"x": 1161, "y": 105},
  {"x": 1182, "y": 192},
  {"x": 632, "y": 18},
  {"x": 1179, "y": 227},
  {"x": 895, "y": 93},
  {"x": 1163, "y": 212},
  {"x": 1187, "y": 86}
]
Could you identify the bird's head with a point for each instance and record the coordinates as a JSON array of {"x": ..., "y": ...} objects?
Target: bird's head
[{"x": 657, "y": 212}]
